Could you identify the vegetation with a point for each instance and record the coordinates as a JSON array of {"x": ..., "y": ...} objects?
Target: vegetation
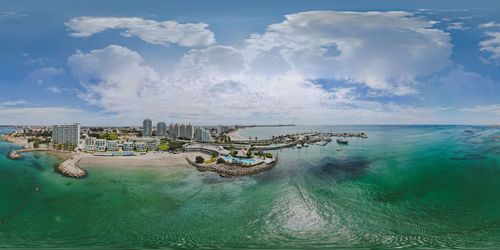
[
  {"x": 199, "y": 159},
  {"x": 212, "y": 160},
  {"x": 263, "y": 154},
  {"x": 104, "y": 136},
  {"x": 220, "y": 160},
  {"x": 175, "y": 145},
  {"x": 163, "y": 147}
]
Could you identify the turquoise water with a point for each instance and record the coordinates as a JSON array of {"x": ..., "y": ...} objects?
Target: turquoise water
[
  {"x": 229, "y": 158},
  {"x": 420, "y": 186}
]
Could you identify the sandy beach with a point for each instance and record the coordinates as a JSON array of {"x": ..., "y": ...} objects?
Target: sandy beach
[
  {"x": 152, "y": 159},
  {"x": 235, "y": 136}
]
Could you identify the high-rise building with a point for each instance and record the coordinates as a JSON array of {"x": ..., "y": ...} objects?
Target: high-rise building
[
  {"x": 66, "y": 134},
  {"x": 202, "y": 135},
  {"x": 171, "y": 130},
  {"x": 174, "y": 131},
  {"x": 189, "y": 132},
  {"x": 183, "y": 131},
  {"x": 147, "y": 128},
  {"x": 161, "y": 129}
]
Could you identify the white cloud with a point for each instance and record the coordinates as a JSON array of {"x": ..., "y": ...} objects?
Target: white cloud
[
  {"x": 492, "y": 45},
  {"x": 386, "y": 51},
  {"x": 457, "y": 26},
  {"x": 12, "y": 103},
  {"x": 43, "y": 75},
  {"x": 211, "y": 85},
  {"x": 54, "y": 89},
  {"x": 11, "y": 14},
  {"x": 162, "y": 33},
  {"x": 489, "y": 25},
  {"x": 487, "y": 109}
]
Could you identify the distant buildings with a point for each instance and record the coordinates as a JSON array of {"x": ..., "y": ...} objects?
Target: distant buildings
[
  {"x": 147, "y": 128},
  {"x": 161, "y": 129},
  {"x": 202, "y": 135},
  {"x": 174, "y": 130},
  {"x": 181, "y": 131},
  {"x": 66, "y": 134}
]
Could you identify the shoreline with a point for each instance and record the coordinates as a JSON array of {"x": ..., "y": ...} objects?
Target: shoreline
[{"x": 235, "y": 136}]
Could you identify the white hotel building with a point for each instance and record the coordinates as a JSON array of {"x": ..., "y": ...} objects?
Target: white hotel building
[{"x": 66, "y": 134}]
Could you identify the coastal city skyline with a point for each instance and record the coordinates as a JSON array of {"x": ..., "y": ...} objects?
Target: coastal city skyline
[{"x": 305, "y": 64}]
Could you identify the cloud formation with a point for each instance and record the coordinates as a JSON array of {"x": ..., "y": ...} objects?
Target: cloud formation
[
  {"x": 387, "y": 51},
  {"x": 489, "y": 109},
  {"x": 491, "y": 46},
  {"x": 150, "y": 31},
  {"x": 43, "y": 75},
  {"x": 272, "y": 75}
]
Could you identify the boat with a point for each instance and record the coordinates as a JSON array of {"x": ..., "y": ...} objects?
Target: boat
[
  {"x": 339, "y": 149},
  {"x": 299, "y": 145},
  {"x": 306, "y": 144},
  {"x": 322, "y": 143},
  {"x": 342, "y": 141}
]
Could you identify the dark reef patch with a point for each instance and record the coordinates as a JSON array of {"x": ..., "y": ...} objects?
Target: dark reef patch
[{"x": 338, "y": 169}]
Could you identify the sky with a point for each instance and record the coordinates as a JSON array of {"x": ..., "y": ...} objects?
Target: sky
[{"x": 250, "y": 62}]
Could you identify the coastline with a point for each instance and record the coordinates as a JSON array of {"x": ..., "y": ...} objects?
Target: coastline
[
  {"x": 20, "y": 141},
  {"x": 235, "y": 136}
]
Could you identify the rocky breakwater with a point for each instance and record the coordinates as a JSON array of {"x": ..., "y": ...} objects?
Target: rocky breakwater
[
  {"x": 70, "y": 167},
  {"x": 14, "y": 155},
  {"x": 228, "y": 169}
]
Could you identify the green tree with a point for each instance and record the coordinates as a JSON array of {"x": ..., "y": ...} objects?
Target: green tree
[{"x": 199, "y": 159}]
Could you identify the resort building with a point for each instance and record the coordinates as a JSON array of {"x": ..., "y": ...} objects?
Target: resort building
[
  {"x": 66, "y": 134},
  {"x": 161, "y": 129},
  {"x": 89, "y": 143},
  {"x": 128, "y": 146},
  {"x": 140, "y": 146},
  {"x": 112, "y": 145},
  {"x": 147, "y": 128},
  {"x": 100, "y": 144},
  {"x": 152, "y": 145},
  {"x": 202, "y": 135}
]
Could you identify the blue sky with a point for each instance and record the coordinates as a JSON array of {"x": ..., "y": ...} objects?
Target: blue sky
[{"x": 211, "y": 62}]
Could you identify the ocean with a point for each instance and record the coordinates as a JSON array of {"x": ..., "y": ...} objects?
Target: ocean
[{"x": 403, "y": 186}]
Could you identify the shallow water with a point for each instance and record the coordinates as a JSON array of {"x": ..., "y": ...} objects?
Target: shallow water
[{"x": 424, "y": 186}]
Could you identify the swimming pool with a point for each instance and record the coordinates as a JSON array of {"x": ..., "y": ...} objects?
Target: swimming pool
[
  {"x": 232, "y": 159},
  {"x": 275, "y": 145}
]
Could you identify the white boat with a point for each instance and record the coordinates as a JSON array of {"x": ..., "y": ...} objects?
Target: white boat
[
  {"x": 339, "y": 149},
  {"x": 306, "y": 144},
  {"x": 299, "y": 145},
  {"x": 322, "y": 143},
  {"x": 342, "y": 141}
]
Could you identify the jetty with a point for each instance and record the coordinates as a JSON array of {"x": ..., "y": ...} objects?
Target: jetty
[{"x": 68, "y": 168}]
